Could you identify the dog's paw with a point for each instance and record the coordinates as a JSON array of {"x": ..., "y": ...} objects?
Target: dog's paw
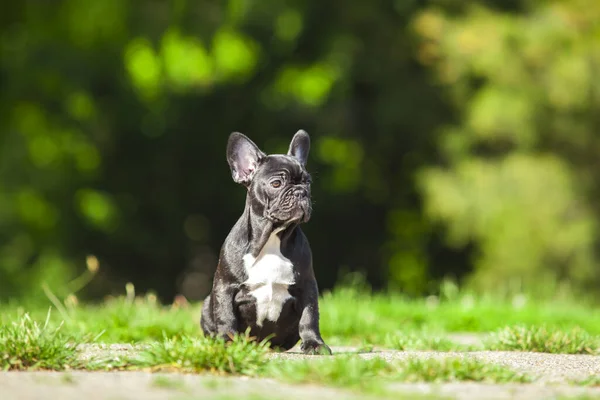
[{"x": 315, "y": 348}]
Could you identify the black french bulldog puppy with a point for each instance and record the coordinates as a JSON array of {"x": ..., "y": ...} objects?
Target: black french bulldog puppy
[{"x": 264, "y": 279}]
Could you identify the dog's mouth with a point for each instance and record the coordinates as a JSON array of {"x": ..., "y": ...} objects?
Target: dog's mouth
[
  {"x": 306, "y": 209},
  {"x": 292, "y": 206},
  {"x": 300, "y": 213}
]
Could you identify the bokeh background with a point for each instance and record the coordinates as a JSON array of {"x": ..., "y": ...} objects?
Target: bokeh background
[{"x": 451, "y": 140}]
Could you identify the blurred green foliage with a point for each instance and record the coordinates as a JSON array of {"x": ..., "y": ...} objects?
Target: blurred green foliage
[
  {"x": 450, "y": 139},
  {"x": 519, "y": 162}
]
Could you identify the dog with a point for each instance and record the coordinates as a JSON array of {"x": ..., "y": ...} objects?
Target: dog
[{"x": 264, "y": 279}]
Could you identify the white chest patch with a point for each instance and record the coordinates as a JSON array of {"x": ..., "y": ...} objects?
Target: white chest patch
[{"x": 269, "y": 276}]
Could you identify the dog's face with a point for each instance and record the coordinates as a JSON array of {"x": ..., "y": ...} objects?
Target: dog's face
[{"x": 278, "y": 185}]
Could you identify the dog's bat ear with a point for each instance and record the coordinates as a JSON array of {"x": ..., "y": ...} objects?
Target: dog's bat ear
[
  {"x": 300, "y": 146},
  {"x": 243, "y": 157}
]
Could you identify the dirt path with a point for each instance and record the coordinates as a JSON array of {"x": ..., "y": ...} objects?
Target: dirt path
[
  {"x": 139, "y": 385},
  {"x": 554, "y": 372}
]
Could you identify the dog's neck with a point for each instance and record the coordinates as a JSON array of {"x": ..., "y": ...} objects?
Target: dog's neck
[{"x": 260, "y": 229}]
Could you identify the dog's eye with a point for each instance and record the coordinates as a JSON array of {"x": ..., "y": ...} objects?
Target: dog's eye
[{"x": 276, "y": 183}]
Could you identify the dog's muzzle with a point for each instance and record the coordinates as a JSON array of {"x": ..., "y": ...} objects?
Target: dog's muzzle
[{"x": 294, "y": 206}]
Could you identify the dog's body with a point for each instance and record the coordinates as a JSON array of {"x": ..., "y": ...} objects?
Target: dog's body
[{"x": 264, "y": 280}]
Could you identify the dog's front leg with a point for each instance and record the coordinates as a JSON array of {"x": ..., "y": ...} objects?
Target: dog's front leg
[
  {"x": 226, "y": 322},
  {"x": 310, "y": 334}
]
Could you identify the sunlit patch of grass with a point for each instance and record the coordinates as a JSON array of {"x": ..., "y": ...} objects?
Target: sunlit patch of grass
[
  {"x": 242, "y": 355},
  {"x": 27, "y": 344},
  {"x": 350, "y": 315},
  {"x": 372, "y": 374},
  {"x": 119, "y": 319},
  {"x": 141, "y": 319},
  {"x": 341, "y": 371},
  {"x": 353, "y": 314},
  {"x": 455, "y": 369},
  {"x": 542, "y": 339},
  {"x": 423, "y": 341}
]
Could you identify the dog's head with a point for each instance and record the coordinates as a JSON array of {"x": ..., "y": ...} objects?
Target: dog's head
[{"x": 278, "y": 184}]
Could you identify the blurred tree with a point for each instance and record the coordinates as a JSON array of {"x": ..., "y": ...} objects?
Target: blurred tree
[
  {"x": 115, "y": 116},
  {"x": 517, "y": 168},
  {"x": 117, "y": 119}
]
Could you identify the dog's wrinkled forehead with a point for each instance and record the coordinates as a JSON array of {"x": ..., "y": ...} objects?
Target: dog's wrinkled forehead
[{"x": 278, "y": 163}]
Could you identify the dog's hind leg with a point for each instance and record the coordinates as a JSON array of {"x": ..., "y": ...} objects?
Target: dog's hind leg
[{"x": 207, "y": 322}]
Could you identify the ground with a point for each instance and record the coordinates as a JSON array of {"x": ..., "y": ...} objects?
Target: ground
[
  {"x": 456, "y": 346},
  {"x": 554, "y": 372}
]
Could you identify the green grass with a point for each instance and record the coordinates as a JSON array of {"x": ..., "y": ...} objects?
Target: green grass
[
  {"x": 372, "y": 374},
  {"x": 542, "y": 339},
  {"x": 171, "y": 337},
  {"x": 241, "y": 356},
  {"x": 349, "y": 316},
  {"x": 454, "y": 369},
  {"x": 420, "y": 341},
  {"x": 142, "y": 320},
  {"x": 342, "y": 371},
  {"x": 118, "y": 320},
  {"x": 26, "y": 344}
]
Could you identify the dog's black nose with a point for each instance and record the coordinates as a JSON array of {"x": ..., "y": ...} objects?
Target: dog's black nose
[{"x": 301, "y": 193}]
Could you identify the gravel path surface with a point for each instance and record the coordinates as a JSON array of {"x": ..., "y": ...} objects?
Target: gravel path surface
[
  {"x": 554, "y": 373},
  {"x": 80, "y": 385}
]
